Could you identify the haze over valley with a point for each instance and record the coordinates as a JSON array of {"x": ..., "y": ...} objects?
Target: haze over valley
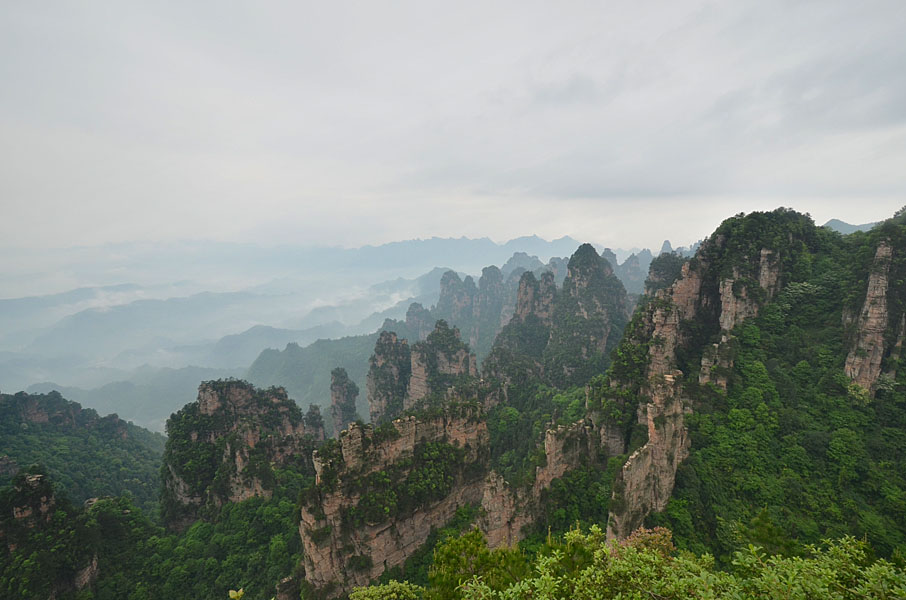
[{"x": 472, "y": 301}]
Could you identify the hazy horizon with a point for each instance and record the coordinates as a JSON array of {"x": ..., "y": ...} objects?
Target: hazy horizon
[{"x": 350, "y": 124}]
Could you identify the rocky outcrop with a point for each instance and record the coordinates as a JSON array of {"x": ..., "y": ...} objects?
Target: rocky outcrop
[
  {"x": 536, "y": 298},
  {"x": 346, "y": 545},
  {"x": 419, "y": 321},
  {"x": 561, "y": 336},
  {"x": 343, "y": 550},
  {"x": 38, "y": 501},
  {"x": 457, "y": 297},
  {"x": 223, "y": 447},
  {"x": 487, "y": 310},
  {"x": 86, "y": 576},
  {"x": 714, "y": 305},
  {"x": 343, "y": 394},
  {"x": 646, "y": 480},
  {"x": 717, "y": 360},
  {"x": 434, "y": 365},
  {"x": 478, "y": 311},
  {"x": 863, "y": 363},
  {"x": 740, "y": 299},
  {"x": 390, "y": 368},
  {"x": 587, "y": 320}
]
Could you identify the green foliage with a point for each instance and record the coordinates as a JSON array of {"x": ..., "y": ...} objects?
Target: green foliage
[
  {"x": 44, "y": 552},
  {"x": 582, "y": 496},
  {"x": 663, "y": 272},
  {"x": 88, "y": 455},
  {"x": 645, "y": 566},
  {"x": 254, "y": 543},
  {"x": 392, "y": 590},
  {"x": 461, "y": 559}
]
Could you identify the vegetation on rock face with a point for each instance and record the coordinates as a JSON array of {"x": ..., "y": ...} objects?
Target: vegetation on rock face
[
  {"x": 444, "y": 341},
  {"x": 88, "y": 455},
  {"x": 405, "y": 486},
  {"x": 390, "y": 368},
  {"x": 663, "y": 272},
  {"x": 213, "y": 449},
  {"x": 343, "y": 394},
  {"x": 587, "y": 322},
  {"x": 793, "y": 452},
  {"x": 543, "y": 361}
]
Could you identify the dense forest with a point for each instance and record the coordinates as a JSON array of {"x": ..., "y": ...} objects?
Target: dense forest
[{"x": 793, "y": 483}]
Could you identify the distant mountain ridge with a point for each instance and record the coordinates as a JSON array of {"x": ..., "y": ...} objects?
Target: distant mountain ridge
[{"x": 846, "y": 228}]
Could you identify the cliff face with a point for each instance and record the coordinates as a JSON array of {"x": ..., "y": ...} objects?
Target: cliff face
[
  {"x": 587, "y": 320},
  {"x": 223, "y": 447},
  {"x": 434, "y": 365},
  {"x": 343, "y": 394},
  {"x": 478, "y": 311},
  {"x": 457, "y": 297},
  {"x": 863, "y": 363},
  {"x": 370, "y": 510},
  {"x": 536, "y": 298},
  {"x": 419, "y": 321},
  {"x": 717, "y": 304},
  {"x": 35, "y": 501},
  {"x": 390, "y": 368},
  {"x": 507, "y": 511}
]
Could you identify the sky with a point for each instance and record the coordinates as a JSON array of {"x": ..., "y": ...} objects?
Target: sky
[{"x": 351, "y": 123}]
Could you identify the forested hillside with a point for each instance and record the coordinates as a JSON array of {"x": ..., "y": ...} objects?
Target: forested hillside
[
  {"x": 789, "y": 444},
  {"x": 88, "y": 455}
]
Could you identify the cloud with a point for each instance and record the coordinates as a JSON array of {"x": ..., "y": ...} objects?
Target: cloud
[{"x": 356, "y": 123}]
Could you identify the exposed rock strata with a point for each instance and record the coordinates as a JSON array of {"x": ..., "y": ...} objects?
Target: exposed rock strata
[
  {"x": 400, "y": 378},
  {"x": 329, "y": 543},
  {"x": 863, "y": 364},
  {"x": 331, "y": 548}
]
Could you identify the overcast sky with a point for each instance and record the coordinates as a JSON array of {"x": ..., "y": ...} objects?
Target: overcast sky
[{"x": 622, "y": 123}]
